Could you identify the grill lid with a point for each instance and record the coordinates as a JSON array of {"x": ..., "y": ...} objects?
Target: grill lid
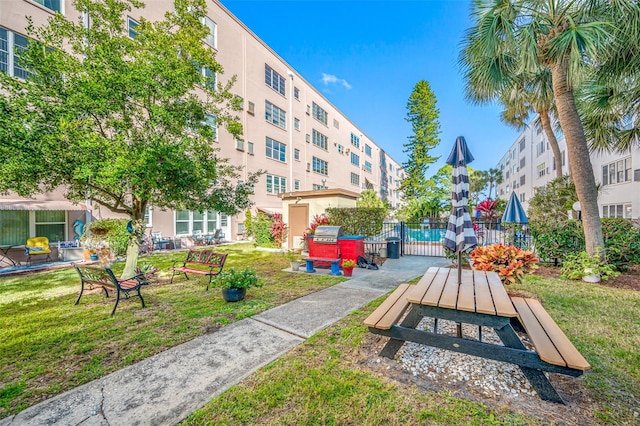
[{"x": 327, "y": 234}]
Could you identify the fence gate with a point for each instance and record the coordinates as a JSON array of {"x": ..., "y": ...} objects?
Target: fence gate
[{"x": 425, "y": 238}]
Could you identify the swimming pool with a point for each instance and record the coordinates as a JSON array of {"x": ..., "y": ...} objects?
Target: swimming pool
[{"x": 426, "y": 235}]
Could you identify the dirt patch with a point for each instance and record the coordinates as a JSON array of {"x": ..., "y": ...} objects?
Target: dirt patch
[{"x": 629, "y": 280}]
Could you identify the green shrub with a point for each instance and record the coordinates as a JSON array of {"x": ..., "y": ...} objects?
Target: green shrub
[
  {"x": 621, "y": 241},
  {"x": 262, "y": 231},
  {"x": 580, "y": 264},
  {"x": 555, "y": 239},
  {"x": 357, "y": 221}
]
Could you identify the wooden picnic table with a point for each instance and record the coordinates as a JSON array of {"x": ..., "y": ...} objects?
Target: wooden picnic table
[{"x": 479, "y": 299}]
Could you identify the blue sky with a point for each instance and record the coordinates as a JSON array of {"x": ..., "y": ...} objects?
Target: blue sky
[{"x": 367, "y": 56}]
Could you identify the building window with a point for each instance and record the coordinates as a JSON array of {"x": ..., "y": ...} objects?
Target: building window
[
  {"x": 340, "y": 149},
  {"x": 187, "y": 222},
  {"x": 274, "y": 80},
  {"x": 355, "y": 141},
  {"x": 55, "y": 5},
  {"x": 16, "y": 226},
  {"x": 355, "y": 159},
  {"x": 296, "y": 124},
  {"x": 296, "y": 154},
  {"x": 296, "y": 93},
  {"x": 51, "y": 224},
  {"x": 617, "y": 172},
  {"x": 390, "y": 167},
  {"x": 148, "y": 217},
  {"x": 540, "y": 147},
  {"x": 251, "y": 107},
  {"x": 367, "y": 150},
  {"x": 132, "y": 24},
  {"x": 617, "y": 210},
  {"x": 523, "y": 144},
  {"x": 367, "y": 166},
  {"x": 355, "y": 179},
  {"x": 276, "y": 184},
  {"x": 522, "y": 162},
  {"x": 210, "y": 78},
  {"x": 541, "y": 171},
  {"x": 522, "y": 180},
  {"x": 250, "y": 148},
  {"x": 276, "y": 150},
  {"x": 11, "y": 46},
  {"x": 319, "y": 139},
  {"x": 211, "y": 38},
  {"x": 320, "y": 166},
  {"x": 319, "y": 114},
  {"x": 336, "y": 124},
  {"x": 275, "y": 115},
  {"x": 522, "y": 197},
  {"x": 210, "y": 120},
  {"x": 296, "y": 185},
  {"x": 317, "y": 187}
]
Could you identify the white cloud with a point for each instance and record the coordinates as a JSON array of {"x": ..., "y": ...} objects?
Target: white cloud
[{"x": 332, "y": 79}]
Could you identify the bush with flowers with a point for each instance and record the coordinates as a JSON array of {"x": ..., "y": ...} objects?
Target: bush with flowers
[
  {"x": 511, "y": 263},
  {"x": 279, "y": 230},
  {"x": 318, "y": 220}
]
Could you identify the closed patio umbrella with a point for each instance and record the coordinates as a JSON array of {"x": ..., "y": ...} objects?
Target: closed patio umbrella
[
  {"x": 460, "y": 236},
  {"x": 514, "y": 212}
]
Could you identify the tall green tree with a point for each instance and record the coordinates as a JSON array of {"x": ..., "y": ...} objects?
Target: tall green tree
[
  {"x": 128, "y": 122},
  {"x": 494, "y": 178},
  {"x": 423, "y": 115},
  {"x": 370, "y": 199},
  {"x": 566, "y": 37}
]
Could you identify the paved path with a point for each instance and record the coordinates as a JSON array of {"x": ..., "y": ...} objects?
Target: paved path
[{"x": 165, "y": 388}]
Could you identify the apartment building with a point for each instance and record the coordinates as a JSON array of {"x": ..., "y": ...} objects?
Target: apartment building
[
  {"x": 529, "y": 164},
  {"x": 290, "y": 130}
]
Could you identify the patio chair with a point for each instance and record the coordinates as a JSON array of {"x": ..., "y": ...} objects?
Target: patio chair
[
  {"x": 199, "y": 238},
  {"x": 159, "y": 243},
  {"x": 216, "y": 237},
  {"x": 37, "y": 246}
]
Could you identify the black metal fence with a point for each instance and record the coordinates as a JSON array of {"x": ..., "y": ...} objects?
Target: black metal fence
[{"x": 425, "y": 238}]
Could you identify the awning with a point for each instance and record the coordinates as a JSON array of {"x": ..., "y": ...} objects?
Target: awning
[
  {"x": 22, "y": 204},
  {"x": 269, "y": 210}
]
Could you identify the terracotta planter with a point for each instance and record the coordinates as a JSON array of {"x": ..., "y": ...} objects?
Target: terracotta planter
[
  {"x": 233, "y": 294},
  {"x": 347, "y": 271}
]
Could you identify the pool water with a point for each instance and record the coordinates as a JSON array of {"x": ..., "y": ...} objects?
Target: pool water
[{"x": 426, "y": 235}]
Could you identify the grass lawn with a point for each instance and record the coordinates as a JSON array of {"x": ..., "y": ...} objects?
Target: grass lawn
[
  {"x": 48, "y": 345},
  {"x": 326, "y": 380}
]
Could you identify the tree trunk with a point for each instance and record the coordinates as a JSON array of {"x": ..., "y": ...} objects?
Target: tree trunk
[
  {"x": 551, "y": 137},
  {"x": 133, "y": 248},
  {"x": 578, "y": 151}
]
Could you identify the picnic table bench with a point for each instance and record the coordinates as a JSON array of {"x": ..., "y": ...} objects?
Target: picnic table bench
[
  {"x": 200, "y": 262},
  {"x": 335, "y": 264},
  {"x": 95, "y": 276},
  {"x": 480, "y": 299}
]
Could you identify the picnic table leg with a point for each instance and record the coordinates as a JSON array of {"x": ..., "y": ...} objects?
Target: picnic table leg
[
  {"x": 393, "y": 345},
  {"x": 537, "y": 378}
]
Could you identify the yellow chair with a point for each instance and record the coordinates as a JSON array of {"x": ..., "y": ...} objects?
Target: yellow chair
[{"x": 36, "y": 246}]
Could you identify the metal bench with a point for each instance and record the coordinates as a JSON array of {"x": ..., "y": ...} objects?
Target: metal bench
[
  {"x": 95, "y": 276},
  {"x": 201, "y": 262},
  {"x": 335, "y": 264}
]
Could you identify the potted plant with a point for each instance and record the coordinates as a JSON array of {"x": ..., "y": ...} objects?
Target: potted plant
[
  {"x": 234, "y": 283},
  {"x": 293, "y": 260},
  {"x": 590, "y": 269},
  {"x": 347, "y": 267}
]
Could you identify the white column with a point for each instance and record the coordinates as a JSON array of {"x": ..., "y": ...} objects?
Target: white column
[{"x": 291, "y": 149}]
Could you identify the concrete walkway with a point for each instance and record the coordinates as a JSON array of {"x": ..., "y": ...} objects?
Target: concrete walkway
[{"x": 165, "y": 388}]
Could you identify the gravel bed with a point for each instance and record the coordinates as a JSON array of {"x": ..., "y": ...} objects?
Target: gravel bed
[{"x": 488, "y": 377}]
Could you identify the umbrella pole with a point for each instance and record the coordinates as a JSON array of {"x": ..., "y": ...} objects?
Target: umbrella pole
[{"x": 459, "y": 267}]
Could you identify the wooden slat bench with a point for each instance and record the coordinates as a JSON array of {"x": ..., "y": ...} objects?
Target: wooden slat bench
[
  {"x": 391, "y": 310},
  {"x": 95, "y": 276},
  {"x": 551, "y": 344},
  {"x": 201, "y": 262},
  {"x": 335, "y": 264}
]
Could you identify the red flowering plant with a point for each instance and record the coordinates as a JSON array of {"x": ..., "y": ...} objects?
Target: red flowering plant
[
  {"x": 488, "y": 208},
  {"x": 510, "y": 262},
  {"x": 318, "y": 220},
  {"x": 278, "y": 230}
]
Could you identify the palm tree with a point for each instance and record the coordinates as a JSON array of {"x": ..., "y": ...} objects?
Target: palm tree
[
  {"x": 512, "y": 37},
  {"x": 494, "y": 177},
  {"x": 532, "y": 92}
]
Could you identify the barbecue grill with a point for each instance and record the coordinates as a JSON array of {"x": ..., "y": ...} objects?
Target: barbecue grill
[{"x": 327, "y": 234}]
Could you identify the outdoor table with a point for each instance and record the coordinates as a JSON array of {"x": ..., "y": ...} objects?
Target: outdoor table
[
  {"x": 4, "y": 255},
  {"x": 479, "y": 299}
]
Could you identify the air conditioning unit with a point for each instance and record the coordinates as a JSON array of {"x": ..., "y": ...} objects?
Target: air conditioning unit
[
  {"x": 348, "y": 150},
  {"x": 308, "y": 109},
  {"x": 308, "y": 138},
  {"x": 308, "y": 167}
]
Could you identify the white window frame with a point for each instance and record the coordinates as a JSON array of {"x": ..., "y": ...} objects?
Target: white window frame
[
  {"x": 355, "y": 179},
  {"x": 367, "y": 150},
  {"x": 275, "y": 150},
  {"x": 42, "y": 3},
  {"x": 355, "y": 159},
  {"x": 13, "y": 69},
  {"x": 132, "y": 24},
  {"x": 319, "y": 113},
  {"x": 207, "y": 217},
  {"x": 275, "y": 115},
  {"x": 355, "y": 140},
  {"x": 276, "y": 184},
  {"x": 320, "y": 166},
  {"x": 320, "y": 140},
  {"x": 212, "y": 38},
  {"x": 367, "y": 167},
  {"x": 274, "y": 80}
]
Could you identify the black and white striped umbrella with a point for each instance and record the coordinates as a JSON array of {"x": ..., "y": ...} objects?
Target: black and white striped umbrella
[{"x": 460, "y": 236}]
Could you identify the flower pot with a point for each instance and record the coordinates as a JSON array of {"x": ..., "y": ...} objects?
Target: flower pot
[
  {"x": 590, "y": 277},
  {"x": 233, "y": 294},
  {"x": 93, "y": 256},
  {"x": 347, "y": 270},
  {"x": 295, "y": 265}
]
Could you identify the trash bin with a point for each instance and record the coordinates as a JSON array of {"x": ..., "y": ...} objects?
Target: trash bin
[{"x": 393, "y": 248}]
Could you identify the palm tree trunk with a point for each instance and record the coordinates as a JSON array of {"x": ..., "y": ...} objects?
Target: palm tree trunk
[
  {"x": 578, "y": 151},
  {"x": 551, "y": 137}
]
